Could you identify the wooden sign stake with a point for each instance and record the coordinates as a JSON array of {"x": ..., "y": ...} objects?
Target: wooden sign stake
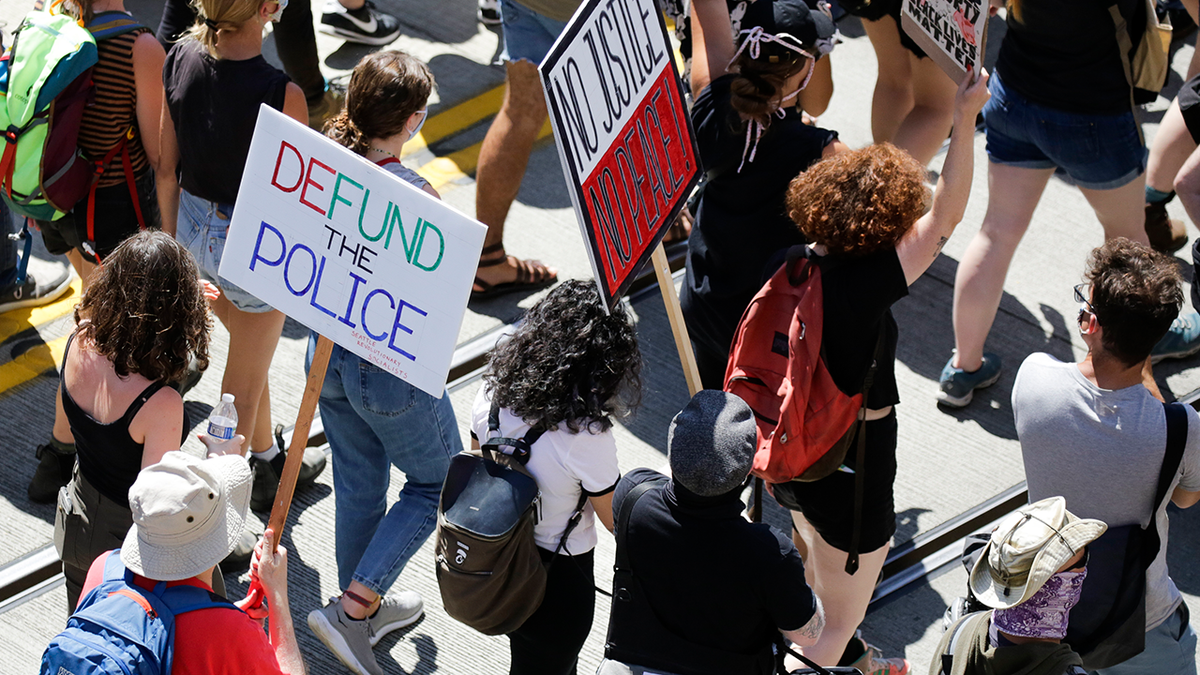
[
  {"x": 666, "y": 284},
  {"x": 295, "y": 453}
]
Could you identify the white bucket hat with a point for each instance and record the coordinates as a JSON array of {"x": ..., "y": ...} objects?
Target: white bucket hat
[
  {"x": 188, "y": 514},
  {"x": 1028, "y": 547}
]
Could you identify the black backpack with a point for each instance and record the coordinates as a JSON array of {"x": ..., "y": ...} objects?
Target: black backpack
[{"x": 489, "y": 570}]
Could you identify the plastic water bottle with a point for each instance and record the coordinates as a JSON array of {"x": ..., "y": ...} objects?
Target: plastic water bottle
[{"x": 222, "y": 423}]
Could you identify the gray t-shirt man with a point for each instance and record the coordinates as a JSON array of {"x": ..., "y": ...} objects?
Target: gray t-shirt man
[{"x": 1102, "y": 451}]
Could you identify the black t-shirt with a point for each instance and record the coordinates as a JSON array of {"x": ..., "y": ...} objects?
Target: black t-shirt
[
  {"x": 742, "y": 219},
  {"x": 680, "y": 544},
  {"x": 214, "y": 105},
  {"x": 1064, "y": 55},
  {"x": 858, "y": 294}
]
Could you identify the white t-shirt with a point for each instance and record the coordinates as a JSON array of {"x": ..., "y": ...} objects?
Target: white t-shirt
[
  {"x": 564, "y": 465},
  {"x": 1102, "y": 451}
]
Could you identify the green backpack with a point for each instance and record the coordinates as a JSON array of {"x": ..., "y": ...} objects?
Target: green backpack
[{"x": 45, "y": 84}]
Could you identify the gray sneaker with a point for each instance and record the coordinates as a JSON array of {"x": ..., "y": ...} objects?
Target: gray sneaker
[
  {"x": 349, "y": 640},
  {"x": 396, "y": 610}
]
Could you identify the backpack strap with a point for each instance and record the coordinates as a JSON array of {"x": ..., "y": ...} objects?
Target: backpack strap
[
  {"x": 1177, "y": 425},
  {"x": 621, "y": 527},
  {"x": 521, "y": 446},
  {"x": 100, "y": 167},
  {"x": 954, "y": 655},
  {"x": 860, "y": 481},
  {"x": 107, "y": 28}
]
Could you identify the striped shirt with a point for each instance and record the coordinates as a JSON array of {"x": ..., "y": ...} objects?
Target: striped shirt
[{"x": 115, "y": 109}]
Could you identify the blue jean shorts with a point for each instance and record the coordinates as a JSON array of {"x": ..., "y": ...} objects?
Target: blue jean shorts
[
  {"x": 202, "y": 228},
  {"x": 527, "y": 34},
  {"x": 1099, "y": 152}
]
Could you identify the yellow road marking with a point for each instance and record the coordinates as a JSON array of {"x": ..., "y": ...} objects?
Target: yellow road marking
[
  {"x": 18, "y": 320},
  {"x": 444, "y": 171},
  {"x": 455, "y": 119},
  {"x": 32, "y": 363}
]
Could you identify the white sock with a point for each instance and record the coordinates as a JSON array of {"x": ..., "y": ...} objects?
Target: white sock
[{"x": 266, "y": 455}]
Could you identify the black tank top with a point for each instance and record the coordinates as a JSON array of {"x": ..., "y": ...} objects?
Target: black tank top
[
  {"x": 214, "y": 105},
  {"x": 108, "y": 457}
]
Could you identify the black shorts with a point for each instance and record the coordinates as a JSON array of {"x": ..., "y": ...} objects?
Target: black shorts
[
  {"x": 115, "y": 217},
  {"x": 829, "y": 503},
  {"x": 1189, "y": 106}
]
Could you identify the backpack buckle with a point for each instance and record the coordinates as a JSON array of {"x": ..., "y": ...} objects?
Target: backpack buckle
[{"x": 10, "y": 134}]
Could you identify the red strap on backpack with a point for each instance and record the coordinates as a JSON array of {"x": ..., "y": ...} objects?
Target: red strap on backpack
[
  {"x": 8, "y": 161},
  {"x": 122, "y": 147}
]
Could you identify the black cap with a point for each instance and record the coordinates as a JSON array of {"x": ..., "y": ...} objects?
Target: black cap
[{"x": 786, "y": 19}]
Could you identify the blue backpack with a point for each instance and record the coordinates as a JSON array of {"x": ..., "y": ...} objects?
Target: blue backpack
[{"x": 121, "y": 628}]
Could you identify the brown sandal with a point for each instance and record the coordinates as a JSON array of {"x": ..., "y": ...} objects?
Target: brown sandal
[{"x": 532, "y": 275}]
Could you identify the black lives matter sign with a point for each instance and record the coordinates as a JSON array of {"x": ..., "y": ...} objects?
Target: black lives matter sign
[
  {"x": 623, "y": 133},
  {"x": 952, "y": 32}
]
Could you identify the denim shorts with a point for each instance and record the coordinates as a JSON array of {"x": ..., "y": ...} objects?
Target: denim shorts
[
  {"x": 1099, "y": 152},
  {"x": 527, "y": 34},
  {"x": 202, "y": 228}
]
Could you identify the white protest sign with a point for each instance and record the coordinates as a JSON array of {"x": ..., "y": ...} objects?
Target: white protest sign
[
  {"x": 346, "y": 248},
  {"x": 952, "y": 32},
  {"x": 624, "y": 134}
]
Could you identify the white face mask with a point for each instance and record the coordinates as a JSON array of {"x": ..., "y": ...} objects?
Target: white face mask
[
  {"x": 424, "y": 116},
  {"x": 278, "y": 13}
]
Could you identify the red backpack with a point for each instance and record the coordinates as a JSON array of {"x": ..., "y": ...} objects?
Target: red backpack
[{"x": 777, "y": 366}]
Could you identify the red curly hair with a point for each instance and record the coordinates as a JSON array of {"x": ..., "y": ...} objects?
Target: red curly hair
[{"x": 860, "y": 201}]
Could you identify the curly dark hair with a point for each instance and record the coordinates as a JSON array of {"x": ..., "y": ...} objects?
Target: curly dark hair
[
  {"x": 569, "y": 362},
  {"x": 1136, "y": 292},
  {"x": 858, "y": 202},
  {"x": 756, "y": 91},
  {"x": 145, "y": 309}
]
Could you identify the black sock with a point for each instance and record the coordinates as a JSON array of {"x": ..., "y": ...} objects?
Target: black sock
[{"x": 855, "y": 648}]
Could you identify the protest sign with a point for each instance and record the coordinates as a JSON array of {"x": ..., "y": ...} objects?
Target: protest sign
[
  {"x": 952, "y": 32},
  {"x": 348, "y": 249},
  {"x": 623, "y": 133}
]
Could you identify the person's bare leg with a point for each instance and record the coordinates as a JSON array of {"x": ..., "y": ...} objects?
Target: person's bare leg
[
  {"x": 504, "y": 156},
  {"x": 82, "y": 267},
  {"x": 264, "y": 430},
  {"x": 893, "y": 98},
  {"x": 1121, "y": 210},
  {"x": 928, "y": 124},
  {"x": 252, "y": 341},
  {"x": 1170, "y": 149},
  {"x": 845, "y": 597},
  {"x": 1013, "y": 194}
]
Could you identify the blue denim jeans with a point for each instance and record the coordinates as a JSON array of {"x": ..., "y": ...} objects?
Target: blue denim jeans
[
  {"x": 527, "y": 34},
  {"x": 1099, "y": 152},
  {"x": 374, "y": 420},
  {"x": 202, "y": 229}
]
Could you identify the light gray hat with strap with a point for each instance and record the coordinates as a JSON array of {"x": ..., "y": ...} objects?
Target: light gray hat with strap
[
  {"x": 188, "y": 514},
  {"x": 711, "y": 443},
  {"x": 1027, "y": 547}
]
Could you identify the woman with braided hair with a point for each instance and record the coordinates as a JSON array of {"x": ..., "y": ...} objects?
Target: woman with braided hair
[{"x": 753, "y": 141}]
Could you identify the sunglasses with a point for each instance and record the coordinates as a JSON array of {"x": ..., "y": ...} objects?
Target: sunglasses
[{"x": 1081, "y": 296}]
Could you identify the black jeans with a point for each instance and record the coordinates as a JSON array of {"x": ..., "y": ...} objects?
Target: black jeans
[
  {"x": 295, "y": 42},
  {"x": 548, "y": 643}
]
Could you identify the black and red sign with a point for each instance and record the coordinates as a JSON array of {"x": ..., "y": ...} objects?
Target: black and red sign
[{"x": 623, "y": 133}]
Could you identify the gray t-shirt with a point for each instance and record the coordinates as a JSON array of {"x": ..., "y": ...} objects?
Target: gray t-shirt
[{"x": 1102, "y": 451}]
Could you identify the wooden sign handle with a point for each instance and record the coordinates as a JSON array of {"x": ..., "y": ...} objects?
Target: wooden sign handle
[
  {"x": 295, "y": 453},
  {"x": 683, "y": 344}
]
